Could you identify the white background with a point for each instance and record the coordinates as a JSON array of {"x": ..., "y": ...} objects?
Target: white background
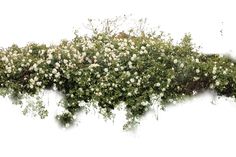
[{"x": 193, "y": 128}]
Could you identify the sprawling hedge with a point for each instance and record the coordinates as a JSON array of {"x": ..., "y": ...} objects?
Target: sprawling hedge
[{"x": 107, "y": 69}]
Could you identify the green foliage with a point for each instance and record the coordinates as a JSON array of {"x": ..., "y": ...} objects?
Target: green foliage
[{"x": 111, "y": 67}]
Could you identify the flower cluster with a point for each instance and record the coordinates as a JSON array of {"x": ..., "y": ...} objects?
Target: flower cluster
[{"x": 111, "y": 69}]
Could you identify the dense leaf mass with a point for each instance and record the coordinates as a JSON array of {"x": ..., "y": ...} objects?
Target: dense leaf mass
[{"x": 107, "y": 69}]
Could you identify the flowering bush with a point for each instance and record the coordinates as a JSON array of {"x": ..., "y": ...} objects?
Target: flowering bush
[{"x": 107, "y": 69}]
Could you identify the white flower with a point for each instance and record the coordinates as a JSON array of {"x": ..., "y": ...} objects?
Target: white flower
[
  {"x": 40, "y": 61},
  {"x": 48, "y": 61},
  {"x": 196, "y": 78},
  {"x": 194, "y": 92},
  {"x": 57, "y": 65},
  {"x": 128, "y": 73},
  {"x": 107, "y": 49},
  {"x": 143, "y": 48},
  {"x": 9, "y": 70},
  {"x": 99, "y": 37},
  {"x": 129, "y": 63},
  {"x": 175, "y": 61},
  {"x": 32, "y": 81},
  {"x": 211, "y": 86},
  {"x": 65, "y": 61},
  {"x": 106, "y": 70},
  {"x": 139, "y": 83},
  {"x": 161, "y": 94},
  {"x": 217, "y": 83},
  {"x": 54, "y": 87},
  {"x": 5, "y": 59},
  {"x": 168, "y": 80},
  {"x": 35, "y": 67},
  {"x": 129, "y": 94},
  {"x": 145, "y": 103},
  {"x": 54, "y": 71},
  {"x": 36, "y": 78},
  {"x": 39, "y": 83},
  {"x": 93, "y": 65},
  {"x": 197, "y": 71},
  {"x": 133, "y": 57},
  {"x": 214, "y": 70},
  {"x": 157, "y": 84},
  {"x": 57, "y": 75},
  {"x": 182, "y": 65},
  {"x": 141, "y": 52},
  {"x": 116, "y": 69},
  {"x": 197, "y": 60},
  {"x": 132, "y": 80}
]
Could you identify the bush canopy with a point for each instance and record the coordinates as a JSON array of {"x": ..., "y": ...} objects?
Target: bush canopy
[{"x": 108, "y": 69}]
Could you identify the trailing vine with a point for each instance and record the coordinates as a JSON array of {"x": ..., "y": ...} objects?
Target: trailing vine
[{"x": 109, "y": 68}]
